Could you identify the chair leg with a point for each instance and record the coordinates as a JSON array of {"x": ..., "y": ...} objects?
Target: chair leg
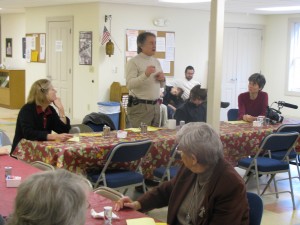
[
  {"x": 275, "y": 186},
  {"x": 297, "y": 164},
  {"x": 268, "y": 183},
  {"x": 144, "y": 187},
  {"x": 124, "y": 192},
  {"x": 292, "y": 190}
]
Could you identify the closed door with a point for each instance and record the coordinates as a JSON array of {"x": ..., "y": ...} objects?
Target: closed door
[
  {"x": 60, "y": 54},
  {"x": 241, "y": 58}
]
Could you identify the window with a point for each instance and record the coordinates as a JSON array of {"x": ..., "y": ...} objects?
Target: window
[{"x": 293, "y": 86}]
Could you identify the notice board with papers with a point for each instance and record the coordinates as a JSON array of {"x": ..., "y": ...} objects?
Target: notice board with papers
[
  {"x": 35, "y": 50},
  {"x": 165, "y": 48}
]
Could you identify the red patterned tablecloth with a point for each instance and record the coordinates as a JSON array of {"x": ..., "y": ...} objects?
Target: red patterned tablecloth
[
  {"x": 92, "y": 151},
  {"x": 239, "y": 140},
  {"x": 242, "y": 140},
  {"x": 19, "y": 168}
]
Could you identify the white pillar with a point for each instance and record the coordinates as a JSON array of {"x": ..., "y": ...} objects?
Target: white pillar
[{"x": 214, "y": 79}]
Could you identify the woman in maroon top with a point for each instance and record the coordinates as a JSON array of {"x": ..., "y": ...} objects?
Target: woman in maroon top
[{"x": 254, "y": 102}]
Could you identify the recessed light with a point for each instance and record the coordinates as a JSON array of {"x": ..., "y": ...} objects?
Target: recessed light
[
  {"x": 276, "y": 9},
  {"x": 184, "y": 1}
]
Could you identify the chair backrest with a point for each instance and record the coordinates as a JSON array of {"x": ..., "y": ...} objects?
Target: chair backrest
[
  {"x": 74, "y": 130},
  {"x": 232, "y": 114},
  {"x": 256, "y": 208},
  {"x": 278, "y": 141},
  {"x": 128, "y": 152},
  {"x": 109, "y": 193},
  {"x": 43, "y": 166},
  {"x": 4, "y": 139},
  {"x": 96, "y": 121},
  {"x": 83, "y": 128},
  {"x": 289, "y": 128}
]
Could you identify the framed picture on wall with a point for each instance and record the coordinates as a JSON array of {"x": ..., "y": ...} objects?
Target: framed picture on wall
[
  {"x": 85, "y": 47},
  {"x": 8, "y": 44}
]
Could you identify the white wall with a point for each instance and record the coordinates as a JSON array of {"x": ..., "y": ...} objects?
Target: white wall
[
  {"x": 275, "y": 66},
  {"x": 191, "y": 34},
  {"x": 13, "y": 26},
  {"x": 86, "y": 18}
]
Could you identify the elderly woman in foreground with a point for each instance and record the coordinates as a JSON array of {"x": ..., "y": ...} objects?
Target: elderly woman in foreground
[
  {"x": 53, "y": 197},
  {"x": 206, "y": 190}
]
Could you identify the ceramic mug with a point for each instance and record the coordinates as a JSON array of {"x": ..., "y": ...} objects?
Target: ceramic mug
[{"x": 171, "y": 124}]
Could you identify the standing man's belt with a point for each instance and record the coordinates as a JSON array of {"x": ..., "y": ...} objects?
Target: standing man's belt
[{"x": 151, "y": 102}]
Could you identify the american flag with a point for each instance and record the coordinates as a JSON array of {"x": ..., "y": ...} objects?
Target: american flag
[{"x": 106, "y": 36}]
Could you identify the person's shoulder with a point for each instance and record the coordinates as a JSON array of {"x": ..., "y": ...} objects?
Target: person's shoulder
[
  {"x": 262, "y": 93},
  {"x": 28, "y": 106},
  {"x": 244, "y": 94},
  {"x": 195, "y": 82}
]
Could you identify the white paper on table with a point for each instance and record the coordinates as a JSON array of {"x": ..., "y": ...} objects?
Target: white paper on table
[{"x": 96, "y": 215}]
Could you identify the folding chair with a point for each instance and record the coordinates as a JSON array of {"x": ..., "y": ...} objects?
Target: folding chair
[
  {"x": 293, "y": 154},
  {"x": 232, "y": 114},
  {"x": 43, "y": 166},
  {"x": 168, "y": 171},
  {"x": 4, "y": 139},
  {"x": 256, "y": 208},
  {"x": 261, "y": 165},
  {"x": 123, "y": 178},
  {"x": 80, "y": 128},
  {"x": 109, "y": 193}
]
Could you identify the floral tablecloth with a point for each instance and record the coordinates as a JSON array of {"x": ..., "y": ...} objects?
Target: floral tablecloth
[
  {"x": 242, "y": 139},
  {"x": 239, "y": 140},
  {"x": 92, "y": 151}
]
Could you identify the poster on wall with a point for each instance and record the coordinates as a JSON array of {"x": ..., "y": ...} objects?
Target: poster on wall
[
  {"x": 85, "y": 47},
  {"x": 8, "y": 44}
]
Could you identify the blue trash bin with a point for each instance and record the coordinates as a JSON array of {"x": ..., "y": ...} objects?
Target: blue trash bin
[{"x": 112, "y": 110}]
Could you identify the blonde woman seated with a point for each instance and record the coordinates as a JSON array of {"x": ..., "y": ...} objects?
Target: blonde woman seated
[
  {"x": 52, "y": 197},
  {"x": 207, "y": 190},
  {"x": 38, "y": 118}
]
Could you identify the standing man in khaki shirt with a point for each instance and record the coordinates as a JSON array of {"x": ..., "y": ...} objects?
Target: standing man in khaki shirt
[{"x": 144, "y": 78}]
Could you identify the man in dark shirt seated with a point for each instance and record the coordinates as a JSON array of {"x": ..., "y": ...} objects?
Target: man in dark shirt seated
[
  {"x": 194, "y": 109},
  {"x": 172, "y": 99}
]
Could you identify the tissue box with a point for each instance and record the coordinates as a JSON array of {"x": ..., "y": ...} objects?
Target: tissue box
[{"x": 13, "y": 181}]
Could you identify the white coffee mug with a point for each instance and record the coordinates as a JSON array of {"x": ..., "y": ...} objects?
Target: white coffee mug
[{"x": 171, "y": 124}]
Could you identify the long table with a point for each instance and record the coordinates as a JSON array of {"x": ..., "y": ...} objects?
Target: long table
[
  {"x": 239, "y": 140},
  {"x": 92, "y": 151},
  {"x": 19, "y": 168},
  {"x": 8, "y": 195}
]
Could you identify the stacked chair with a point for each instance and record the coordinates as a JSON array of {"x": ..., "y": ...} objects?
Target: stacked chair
[
  {"x": 263, "y": 164},
  {"x": 293, "y": 156}
]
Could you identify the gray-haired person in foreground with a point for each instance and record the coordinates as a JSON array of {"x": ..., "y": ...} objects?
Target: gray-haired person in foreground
[
  {"x": 206, "y": 191},
  {"x": 51, "y": 198}
]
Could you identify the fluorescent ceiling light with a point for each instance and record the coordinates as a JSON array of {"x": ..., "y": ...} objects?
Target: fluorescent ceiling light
[
  {"x": 184, "y": 1},
  {"x": 276, "y": 9}
]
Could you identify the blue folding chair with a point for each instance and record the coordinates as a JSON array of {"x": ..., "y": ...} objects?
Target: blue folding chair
[
  {"x": 293, "y": 156},
  {"x": 169, "y": 171},
  {"x": 123, "y": 178},
  {"x": 261, "y": 165},
  {"x": 256, "y": 208},
  {"x": 232, "y": 114}
]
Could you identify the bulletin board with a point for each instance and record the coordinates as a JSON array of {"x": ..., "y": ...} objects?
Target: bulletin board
[
  {"x": 36, "y": 47},
  {"x": 165, "y": 48}
]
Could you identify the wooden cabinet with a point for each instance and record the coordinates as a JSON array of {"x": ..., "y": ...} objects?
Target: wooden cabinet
[
  {"x": 12, "y": 88},
  {"x": 119, "y": 93}
]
